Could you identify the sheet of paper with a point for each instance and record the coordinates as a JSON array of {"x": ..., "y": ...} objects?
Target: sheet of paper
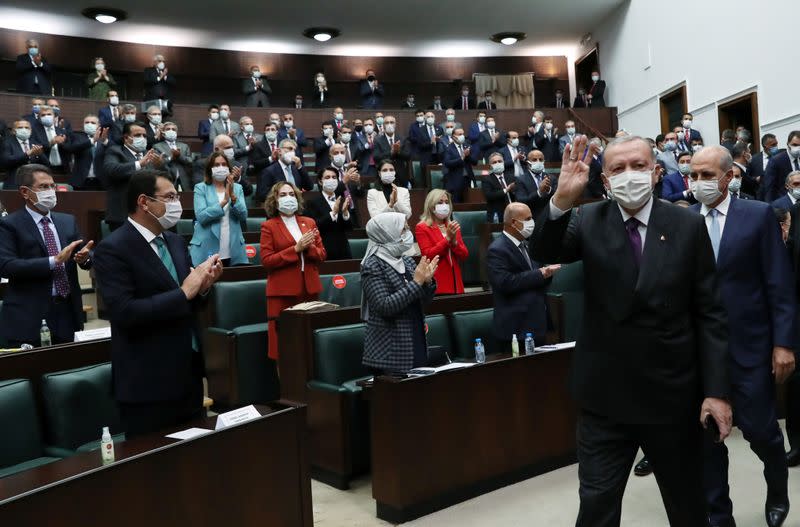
[
  {"x": 93, "y": 334},
  {"x": 234, "y": 417},
  {"x": 190, "y": 433},
  {"x": 555, "y": 347}
]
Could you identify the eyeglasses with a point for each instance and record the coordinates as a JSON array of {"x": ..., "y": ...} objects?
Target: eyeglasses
[{"x": 169, "y": 198}]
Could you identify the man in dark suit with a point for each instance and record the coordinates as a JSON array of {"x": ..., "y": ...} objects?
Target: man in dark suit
[
  {"x": 56, "y": 140},
  {"x": 128, "y": 115},
  {"x": 349, "y": 178},
  {"x": 331, "y": 212},
  {"x": 486, "y": 103},
  {"x": 514, "y": 155},
  {"x": 758, "y": 164},
  {"x": 265, "y": 152},
  {"x": 779, "y": 167},
  {"x": 735, "y": 186},
  {"x": 244, "y": 142},
  {"x": 60, "y": 120},
  {"x": 88, "y": 151},
  {"x": 154, "y": 126},
  {"x": 535, "y": 187},
  {"x": 426, "y": 141},
  {"x": 322, "y": 145},
  {"x": 33, "y": 73},
  {"x": 559, "y": 101},
  {"x": 20, "y": 149},
  {"x": 204, "y": 129},
  {"x": 352, "y": 148},
  {"x": 518, "y": 283},
  {"x": 741, "y": 159},
  {"x": 651, "y": 361},
  {"x": 677, "y": 185},
  {"x": 597, "y": 91},
  {"x": 256, "y": 89},
  {"x": 728, "y": 139},
  {"x": 491, "y": 140},
  {"x": 459, "y": 159},
  {"x": 110, "y": 114},
  {"x": 289, "y": 131},
  {"x": 119, "y": 166},
  {"x": 39, "y": 250},
  {"x": 752, "y": 268},
  {"x": 409, "y": 103},
  {"x": 688, "y": 134},
  {"x": 477, "y": 127},
  {"x": 177, "y": 157},
  {"x": 793, "y": 389},
  {"x": 152, "y": 294},
  {"x": 289, "y": 167},
  {"x": 792, "y": 190},
  {"x": 464, "y": 101},
  {"x": 36, "y": 105},
  {"x": 159, "y": 84},
  {"x": 498, "y": 188},
  {"x": 391, "y": 146},
  {"x": 546, "y": 140},
  {"x": 370, "y": 91},
  {"x": 581, "y": 100}
]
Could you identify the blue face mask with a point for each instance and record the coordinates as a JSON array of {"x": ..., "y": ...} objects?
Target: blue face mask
[
  {"x": 33, "y": 51},
  {"x": 773, "y": 151},
  {"x": 36, "y": 109}
]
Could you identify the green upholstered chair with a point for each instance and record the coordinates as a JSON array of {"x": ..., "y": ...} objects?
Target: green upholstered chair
[
  {"x": 341, "y": 289},
  {"x": 567, "y": 289},
  {"x": 437, "y": 178},
  {"x": 21, "y": 446},
  {"x": 77, "y": 405},
  {"x": 185, "y": 226},
  {"x": 250, "y": 201},
  {"x": 239, "y": 371},
  {"x": 438, "y": 332},
  {"x": 105, "y": 230},
  {"x": 358, "y": 247},
  {"x": 469, "y": 325},
  {"x": 254, "y": 224},
  {"x": 417, "y": 176},
  {"x": 469, "y": 221}
]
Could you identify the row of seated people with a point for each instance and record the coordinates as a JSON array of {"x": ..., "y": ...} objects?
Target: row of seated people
[{"x": 35, "y": 76}]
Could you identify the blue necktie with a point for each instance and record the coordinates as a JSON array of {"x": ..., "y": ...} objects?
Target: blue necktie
[{"x": 713, "y": 232}]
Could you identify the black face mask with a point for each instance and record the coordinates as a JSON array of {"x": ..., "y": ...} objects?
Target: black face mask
[
  {"x": 371, "y": 78},
  {"x": 359, "y": 128}
]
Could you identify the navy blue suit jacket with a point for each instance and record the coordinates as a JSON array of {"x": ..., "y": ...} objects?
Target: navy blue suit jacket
[
  {"x": 283, "y": 133},
  {"x": 459, "y": 171},
  {"x": 25, "y": 262},
  {"x": 773, "y": 184},
  {"x": 27, "y": 72},
  {"x": 754, "y": 273},
  {"x": 370, "y": 99},
  {"x": 274, "y": 173},
  {"x": 85, "y": 156},
  {"x": 518, "y": 292},
  {"x": 203, "y": 129},
  {"x": 783, "y": 203},
  {"x": 12, "y": 157},
  {"x": 104, "y": 115},
  {"x": 474, "y": 132},
  {"x": 673, "y": 187},
  {"x": 487, "y": 146},
  {"x": 151, "y": 320},
  {"x": 510, "y": 162}
]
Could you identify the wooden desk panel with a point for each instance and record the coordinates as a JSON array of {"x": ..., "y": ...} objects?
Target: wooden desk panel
[
  {"x": 442, "y": 439},
  {"x": 255, "y": 473}
]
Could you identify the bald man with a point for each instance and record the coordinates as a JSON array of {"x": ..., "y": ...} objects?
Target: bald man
[{"x": 753, "y": 269}]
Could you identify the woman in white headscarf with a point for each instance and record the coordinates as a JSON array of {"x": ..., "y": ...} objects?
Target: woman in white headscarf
[{"x": 395, "y": 290}]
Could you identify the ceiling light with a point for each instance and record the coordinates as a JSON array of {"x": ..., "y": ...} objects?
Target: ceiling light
[
  {"x": 321, "y": 34},
  {"x": 104, "y": 15},
  {"x": 509, "y": 38}
]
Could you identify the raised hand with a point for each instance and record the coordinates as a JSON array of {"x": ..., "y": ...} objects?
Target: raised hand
[
  {"x": 236, "y": 173},
  {"x": 421, "y": 271},
  {"x": 393, "y": 196},
  {"x": 574, "y": 174},
  {"x": 35, "y": 150},
  {"x": 431, "y": 271},
  {"x": 66, "y": 253},
  {"x": 550, "y": 270},
  {"x": 83, "y": 255}
]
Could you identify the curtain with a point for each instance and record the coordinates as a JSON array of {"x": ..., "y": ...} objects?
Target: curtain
[{"x": 509, "y": 91}]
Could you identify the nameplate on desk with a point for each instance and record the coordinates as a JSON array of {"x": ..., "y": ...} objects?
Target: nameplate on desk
[
  {"x": 235, "y": 417},
  {"x": 93, "y": 334}
]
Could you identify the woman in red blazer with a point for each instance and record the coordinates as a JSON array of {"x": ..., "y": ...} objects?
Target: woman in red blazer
[
  {"x": 291, "y": 250},
  {"x": 438, "y": 235}
]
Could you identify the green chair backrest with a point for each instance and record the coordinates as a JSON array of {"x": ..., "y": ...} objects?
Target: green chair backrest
[
  {"x": 358, "y": 247},
  {"x": 21, "y": 437},
  {"x": 105, "y": 230},
  {"x": 469, "y": 221},
  {"x": 416, "y": 174},
  {"x": 437, "y": 178},
  {"x": 78, "y": 404},
  {"x": 342, "y": 289},
  {"x": 569, "y": 278},
  {"x": 250, "y": 200},
  {"x": 471, "y": 267},
  {"x": 185, "y": 226},
  {"x": 438, "y": 332},
  {"x": 337, "y": 354},
  {"x": 568, "y": 284},
  {"x": 254, "y": 224},
  {"x": 239, "y": 303},
  {"x": 469, "y": 325}
]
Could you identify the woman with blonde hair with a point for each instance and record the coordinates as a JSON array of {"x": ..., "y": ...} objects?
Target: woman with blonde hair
[{"x": 439, "y": 235}]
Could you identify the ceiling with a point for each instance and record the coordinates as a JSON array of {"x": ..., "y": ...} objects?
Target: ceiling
[{"x": 437, "y": 28}]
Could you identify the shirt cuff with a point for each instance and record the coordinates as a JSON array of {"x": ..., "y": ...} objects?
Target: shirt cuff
[
  {"x": 555, "y": 212},
  {"x": 334, "y": 216},
  {"x": 52, "y": 261},
  {"x": 138, "y": 165},
  {"x": 346, "y": 215}
]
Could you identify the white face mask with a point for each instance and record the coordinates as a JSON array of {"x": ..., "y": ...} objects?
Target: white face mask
[
  {"x": 697, "y": 148},
  {"x": 527, "y": 228},
  {"x": 330, "y": 185},
  {"x": 99, "y": 66},
  {"x": 338, "y": 159},
  {"x": 706, "y": 191},
  {"x": 271, "y": 136},
  {"x": 387, "y": 178},
  {"x": 515, "y": 142},
  {"x": 389, "y": 129},
  {"x": 794, "y": 151},
  {"x": 228, "y": 153},
  {"x": 171, "y": 215},
  {"x": 224, "y": 114},
  {"x": 481, "y": 119},
  {"x": 345, "y": 138},
  {"x": 320, "y": 79},
  {"x": 420, "y": 119},
  {"x": 368, "y": 129},
  {"x": 248, "y": 128},
  {"x": 90, "y": 128},
  {"x": 548, "y": 126},
  {"x": 536, "y": 166},
  {"x": 339, "y": 116},
  {"x": 287, "y": 205},
  {"x": 130, "y": 117},
  {"x": 685, "y": 168},
  {"x": 687, "y": 123},
  {"x": 442, "y": 210},
  {"x": 595, "y": 78},
  {"x": 288, "y": 124},
  {"x": 113, "y": 100},
  {"x": 571, "y": 130},
  {"x": 498, "y": 168},
  {"x": 795, "y": 193},
  {"x": 448, "y": 131},
  {"x": 490, "y": 125},
  {"x": 735, "y": 185},
  {"x": 450, "y": 117},
  {"x": 23, "y": 134},
  {"x": 170, "y": 135},
  {"x": 633, "y": 188},
  {"x": 46, "y": 200},
  {"x": 161, "y": 65},
  {"x": 257, "y": 74},
  {"x": 460, "y": 139},
  {"x": 139, "y": 143},
  {"x": 220, "y": 173},
  {"x": 155, "y": 119},
  {"x": 429, "y": 121},
  {"x": 327, "y": 132},
  {"x": 214, "y": 116},
  {"x": 287, "y": 158}
]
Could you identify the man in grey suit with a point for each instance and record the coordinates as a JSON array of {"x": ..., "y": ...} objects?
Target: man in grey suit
[
  {"x": 177, "y": 157},
  {"x": 450, "y": 117},
  {"x": 256, "y": 89},
  {"x": 243, "y": 143},
  {"x": 223, "y": 125},
  {"x": 669, "y": 157}
]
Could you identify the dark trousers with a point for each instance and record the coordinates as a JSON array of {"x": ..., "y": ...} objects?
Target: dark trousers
[
  {"x": 61, "y": 322},
  {"x": 153, "y": 416},
  {"x": 754, "y": 412},
  {"x": 606, "y": 452},
  {"x": 793, "y": 409}
]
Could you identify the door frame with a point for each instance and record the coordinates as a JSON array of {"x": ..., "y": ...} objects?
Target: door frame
[
  {"x": 662, "y": 108},
  {"x": 752, "y": 95}
]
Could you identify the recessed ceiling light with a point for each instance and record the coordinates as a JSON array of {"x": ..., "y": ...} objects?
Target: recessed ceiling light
[
  {"x": 104, "y": 15},
  {"x": 508, "y": 38},
  {"x": 321, "y": 34}
]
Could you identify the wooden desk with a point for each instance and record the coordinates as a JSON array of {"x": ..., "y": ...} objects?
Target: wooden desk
[
  {"x": 445, "y": 438},
  {"x": 255, "y": 473}
]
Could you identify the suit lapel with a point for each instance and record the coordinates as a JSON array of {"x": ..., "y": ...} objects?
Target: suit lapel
[
  {"x": 151, "y": 260},
  {"x": 177, "y": 251},
  {"x": 34, "y": 230},
  {"x": 61, "y": 228},
  {"x": 515, "y": 250},
  {"x": 728, "y": 233},
  {"x": 655, "y": 246}
]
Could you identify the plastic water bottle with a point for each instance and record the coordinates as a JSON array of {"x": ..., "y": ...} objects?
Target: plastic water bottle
[
  {"x": 480, "y": 353},
  {"x": 107, "y": 447},
  {"x": 514, "y": 346},
  {"x": 496, "y": 218},
  {"x": 529, "y": 345},
  {"x": 44, "y": 334}
]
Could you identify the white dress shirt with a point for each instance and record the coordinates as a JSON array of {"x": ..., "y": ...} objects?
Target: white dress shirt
[
  {"x": 294, "y": 230},
  {"x": 330, "y": 199},
  {"x": 518, "y": 171},
  {"x": 224, "y": 229},
  {"x": 37, "y": 219},
  {"x": 722, "y": 214},
  {"x": 148, "y": 235}
]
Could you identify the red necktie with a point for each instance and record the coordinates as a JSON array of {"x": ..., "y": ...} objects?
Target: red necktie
[
  {"x": 464, "y": 103},
  {"x": 687, "y": 137},
  {"x": 59, "y": 273},
  {"x": 686, "y": 182}
]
